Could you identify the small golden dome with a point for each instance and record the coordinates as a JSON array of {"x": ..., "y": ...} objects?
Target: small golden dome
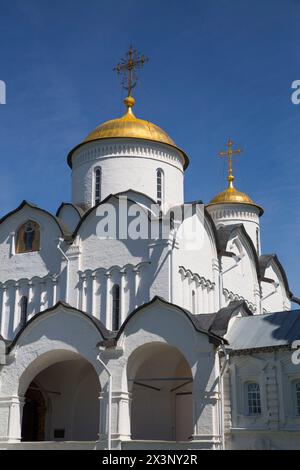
[
  {"x": 233, "y": 196},
  {"x": 129, "y": 126}
]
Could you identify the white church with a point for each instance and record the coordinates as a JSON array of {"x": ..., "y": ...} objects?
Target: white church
[{"x": 143, "y": 341}]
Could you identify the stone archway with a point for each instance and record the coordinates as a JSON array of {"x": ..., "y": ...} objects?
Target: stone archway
[
  {"x": 61, "y": 401},
  {"x": 161, "y": 384}
]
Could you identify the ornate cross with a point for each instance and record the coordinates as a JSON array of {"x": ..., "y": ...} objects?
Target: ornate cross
[
  {"x": 128, "y": 66},
  {"x": 229, "y": 153}
]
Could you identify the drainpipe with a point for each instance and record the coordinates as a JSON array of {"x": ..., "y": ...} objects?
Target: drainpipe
[
  {"x": 60, "y": 240},
  {"x": 109, "y": 401},
  {"x": 237, "y": 259},
  {"x": 221, "y": 391},
  {"x": 275, "y": 285}
]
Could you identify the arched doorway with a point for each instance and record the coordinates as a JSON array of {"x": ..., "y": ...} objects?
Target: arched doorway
[
  {"x": 62, "y": 403},
  {"x": 162, "y": 402},
  {"x": 34, "y": 414}
]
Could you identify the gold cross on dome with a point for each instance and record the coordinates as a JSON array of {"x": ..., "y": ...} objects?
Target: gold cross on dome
[
  {"x": 127, "y": 68},
  {"x": 229, "y": 153}
]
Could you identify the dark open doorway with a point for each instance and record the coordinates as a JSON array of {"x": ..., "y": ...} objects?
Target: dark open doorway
[{"x": 34, "y": 415}]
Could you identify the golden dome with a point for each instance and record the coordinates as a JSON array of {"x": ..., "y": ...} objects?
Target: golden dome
[
  {"x": 233, "y": 196},
  {"x": 129, "y": 126}
]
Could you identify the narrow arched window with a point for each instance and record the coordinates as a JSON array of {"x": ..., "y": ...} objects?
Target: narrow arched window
[
  {"x": 159, "y": 186},
  {"x": 253, "y": 396},
  {"x": 297, "y": 390},
  {"x": 115, "y": 307},
  {"x": 97, "y": 186},
  {"x": 193, "y": 301},
  {"x": 24, "y": 310},
  {"x": 28, "y": 237},
  {"x": 257, "y": 240}
]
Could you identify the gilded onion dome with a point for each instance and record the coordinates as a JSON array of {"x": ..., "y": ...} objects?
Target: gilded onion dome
[
  {"x": 129, "y": 126},
  {"x": 231, "y": 195}
]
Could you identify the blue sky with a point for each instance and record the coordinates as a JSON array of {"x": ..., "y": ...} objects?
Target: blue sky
[{"x": 217, "y": 69}]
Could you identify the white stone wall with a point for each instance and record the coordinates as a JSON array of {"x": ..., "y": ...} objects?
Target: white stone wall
[
  {"x": 224, "y": 214},
  {"x": 41, "y": 293},
  {"x": 278, "y": 426},
  {"x": 239, "y": 276},
  {"x": 72, "y": 337},
  {"x": 126, "y": 165},
  {"x": 195, "y": 265},
  {"x": 27, "y": 265},
  {"x": 95, "y": 290},
  {"x": 69, "y": 216},
  {"x": 274, "y": 296}
]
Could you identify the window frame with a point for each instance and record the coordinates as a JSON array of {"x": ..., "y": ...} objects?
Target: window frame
[
  {"x": 19, "y": 247},
  {"x": 296, "y": 395},
  {"x": 258, "y": 400},
  {"x": 160, "y": 177},
  {"x": 97, "y": 185}
]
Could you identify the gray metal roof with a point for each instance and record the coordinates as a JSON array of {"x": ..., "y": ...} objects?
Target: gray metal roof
[{"x": 261, "y": 331}]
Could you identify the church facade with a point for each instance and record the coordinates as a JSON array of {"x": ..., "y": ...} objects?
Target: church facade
[{"x": 144, "y": 340}]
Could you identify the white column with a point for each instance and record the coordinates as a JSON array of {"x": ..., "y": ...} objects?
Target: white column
[
  {"x": 38, "y": 296},
  {"x": 122, "y": 298},
  {"x": 120, "y": 418},
  {"x": 43, "y": 295},
  {"x": 84, "y": 293},
  {"x": 95, "y": 296},
  {"x": 186, "y": 292},
  {"x": 205, "y": 298},
  {"x": 136, "y": 285},
  {"x": 201, "y": 296},
  {"x": 191, "y": 285},
  {"x": 17, "y": 307},
  {"x": 11, "y": 409},
  {"x": 121, "y": 404},
  {"x": 89, "y": 293},
  {"x": 30, "y": 300},
  {"x": 48, "y": 293},
  {"x": 103, "y": 419},
  {"x": 197, "y": 294},
  {"x": 216, "y": 280},
  {"x": 4, "y": 312},
  {"x": 209, "y": 299},
  {"x": 54, "y": 287},
  {"x": 108, "y": 318}
]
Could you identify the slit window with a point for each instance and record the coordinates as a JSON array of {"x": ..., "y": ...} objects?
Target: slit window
[
  {"x": 24, "y": 310},
  {"x": 97, "y": 185},
  {"x": 116, "y": 307},
  {"x": 159, "y": 186}
]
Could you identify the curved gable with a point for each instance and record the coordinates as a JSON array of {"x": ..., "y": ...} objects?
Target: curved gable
[
  {"x": 276, "y": 294},
  {"x": 112, "y": 198},
  {"x": 70, "y": 215},
  {"x": 99, "y": 246},
  {"x": 25, "y": 204},
  {"x": 239, "y": 265},
  {"x": 64, "y": 312},
  {"x": 267, "y": 260},
  {"x": 225, "y": 234},
  {"x": 160, "y": 303},
  {"x": 46, "y": 259}
]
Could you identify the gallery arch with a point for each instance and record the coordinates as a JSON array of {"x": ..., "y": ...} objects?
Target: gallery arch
[
  {"x": 159, "y": 375},
  {"x": 62, "y": 402}
]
